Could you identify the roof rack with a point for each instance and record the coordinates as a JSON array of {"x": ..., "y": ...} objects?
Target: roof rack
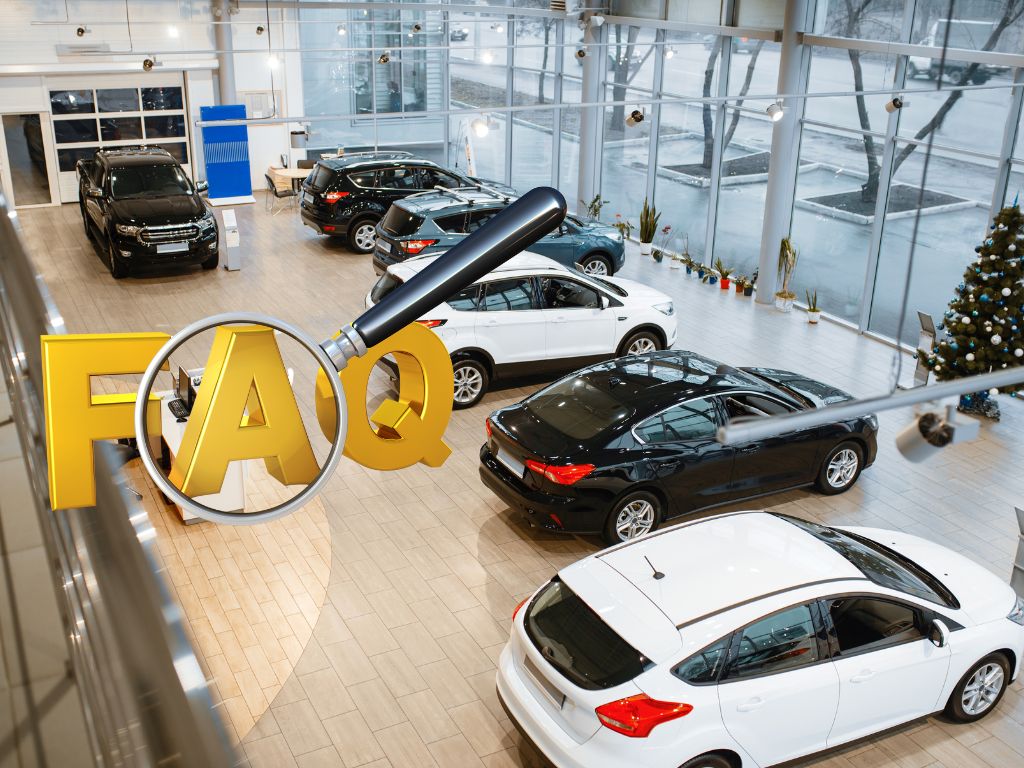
[
  {"x": 468, "y": 200},
  {"x": 373, "y": 153}
]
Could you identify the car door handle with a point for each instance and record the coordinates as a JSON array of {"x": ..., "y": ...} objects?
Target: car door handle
[
  {"x": 860, "y": 677},
  {"x": 749, "y": 706},
  {"x": 490, "y": 322},
  {"x": 558, "y": 319}
]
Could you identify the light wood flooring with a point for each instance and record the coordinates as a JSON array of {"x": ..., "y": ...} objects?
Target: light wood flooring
[{"x": 426, "y": 565}]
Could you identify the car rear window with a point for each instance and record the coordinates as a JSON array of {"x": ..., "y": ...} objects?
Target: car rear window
[
  {"x": 384, "y": 286},
  {"x": 362, "y": 178},
  {"x": 399, "y": 222},
  {"x": 576, "y": 641},
  {"x": 321, "y": 177},
  {"x": 576, "y": 406}
]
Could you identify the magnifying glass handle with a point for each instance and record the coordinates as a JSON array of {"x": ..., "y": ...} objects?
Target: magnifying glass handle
[{"x": 509, "y": 232}]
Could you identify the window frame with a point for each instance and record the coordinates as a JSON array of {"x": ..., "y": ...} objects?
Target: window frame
[
  {"x": 713, "y": 399},
  {"x": 725, "y": 395},
  {"x": 478, "y": 301},
  {"x": 821, "y": 640},
  {"x": 534, "y": 298},
  {"x": 924, "y": 614},
  {"x": 718, "y": 674},
  {"x": 568, "y": 279}
]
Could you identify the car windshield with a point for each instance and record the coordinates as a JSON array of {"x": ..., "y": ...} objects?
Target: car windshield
[
  {"x": 148, "y": 181},
  {"x": 882, "y": 565},
  {"x": 575, "y": 641},
  {"x": 580, "y": 406},
  {"x": 607, "y": 284}
]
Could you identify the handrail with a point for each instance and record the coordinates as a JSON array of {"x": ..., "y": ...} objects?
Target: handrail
[{"x": 145, "y": 699}]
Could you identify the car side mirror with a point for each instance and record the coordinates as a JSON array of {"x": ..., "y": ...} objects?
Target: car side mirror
[
  {"x": 202, "y": 186},
  {"x": 938, "y": 633},
  {"x": 95, "y": 193},
  {"x": 605, "y": 302}
]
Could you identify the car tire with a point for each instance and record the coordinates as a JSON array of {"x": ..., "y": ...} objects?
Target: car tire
[
  {"x": 645, "y": 510},
  {"x": 85, "y": 222},
  {"x": 118, "y": 268},
  {"x": 709, "y": 760},
  {"x": 212, "y": 262},
  {"x": 840, "y": 469},
  {"x": 639, "y": 343},
  {"x": 362, "y": 234},
  {"x": 596, "y": 264},
  {"x": 973, "y": 697},
  {"x": 471, "y": 380}
]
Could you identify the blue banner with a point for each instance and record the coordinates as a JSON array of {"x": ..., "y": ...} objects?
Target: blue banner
[{"x": 226, "y": 151}]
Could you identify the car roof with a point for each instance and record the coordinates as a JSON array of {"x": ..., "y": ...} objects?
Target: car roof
[
  {"x": 375, "y": 160},
  {"x": 453, "y": 200},
  {"x": 126, "y": 156},
  {"x": 717, "y": 563},
  {"x": 525, "y": 262}
]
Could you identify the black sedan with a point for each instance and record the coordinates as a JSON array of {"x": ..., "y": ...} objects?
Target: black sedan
[{"x": 620, "y": 447}]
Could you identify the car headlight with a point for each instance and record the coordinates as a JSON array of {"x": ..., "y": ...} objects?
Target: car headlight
[
  {"x": 207, "y": 222},
  {"x": 1017, "y": 614},
  {"x": 666, "y": 309},
  {"x": 873, "y": 421},
  {"x": 128, "y": 230}
]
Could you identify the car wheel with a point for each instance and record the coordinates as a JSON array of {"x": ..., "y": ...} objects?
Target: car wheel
[
  {"x": 840, "y": 469},
  {"x": 471, "y": 381},
  {"x": 115, "y": 263},
  {"x": 640, "y": 342},
  {"x": 980, "y": 689},
  {"x": 596, "y": 264},
  {"x": 362, "y": 235},
  {"x": 710, "y": 760},
  {"x": 633, "y": 516},
  {"x": 212, "y": 262}
]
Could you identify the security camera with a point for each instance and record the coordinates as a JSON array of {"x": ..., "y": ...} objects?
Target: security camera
[
  {"x": 930, "y": 432},
  {"x": 581, "y": 53},
  {"x": 384, "y": 58},
  {"x": 894, "y": 104},
  {"x": 417, "y": 27},
  {"x": 635, "y": 118},
  {"x": 81, "y": 31},
  {"x": 260, "y": 29},
  {"x": 148, "y": 64}
]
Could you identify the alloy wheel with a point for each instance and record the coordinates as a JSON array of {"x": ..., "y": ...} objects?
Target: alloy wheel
[
  {"x": 468, "y": 383},
  {"x": 365, "y": 236},
  {"x": 634, "y": 520},
  {"x": 640, "y": 346},
  {"x": 842, "y": 468},
  {"x": 983, "y": 689},
  {"x": 595, "y": 267}
]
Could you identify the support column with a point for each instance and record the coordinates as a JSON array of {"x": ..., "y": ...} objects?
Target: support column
[
  {"x": 590, "y": 117},
  {"x": 225, "y": 57},
  {"x": 785, "y": 157}
]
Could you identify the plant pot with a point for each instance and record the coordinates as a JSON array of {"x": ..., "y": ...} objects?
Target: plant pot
[
  {"x": 700, "y": 273},
  {"x": 674, "y": 263},
  {"x": 813, "y": 315},
  {"x": 689, "y": 269},
  {"x": 725, "y": 283},
  {"x": 783, "y": 303},
  {"x": 739, "y": 287},
  {"x": 646, "y": 248},
  {"x": 712, "y": 280},
  {"x": 748, "y": 291}
]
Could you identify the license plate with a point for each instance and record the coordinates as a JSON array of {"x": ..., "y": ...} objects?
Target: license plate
[
  {"x": 308, "y": 198},
  {"x": 383, "y": 246},
  {"x": 172, "y": 248},
  {"x": 517, "y": 469},
  {"x": 553, "y": 695}
]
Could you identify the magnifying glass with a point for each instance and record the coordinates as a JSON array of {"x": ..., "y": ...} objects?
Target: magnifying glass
[{"x": 511, "y": 231}]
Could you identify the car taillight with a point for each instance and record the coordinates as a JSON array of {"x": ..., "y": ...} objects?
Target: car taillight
[
  {"x": 488, "y": 428},
  {"x": 516, "y": 611},
  {"x": 432, "y": 323},
  {"x": 565, "y": 474},
  {"x": 636, "y": 716},
  {"x": 333, "y": 197},
  {"x": 415, "y": 246}
]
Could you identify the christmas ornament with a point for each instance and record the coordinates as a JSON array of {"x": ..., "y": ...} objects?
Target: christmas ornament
[
  {"x": 1018, "y": 352},
  {"x": 996, "y": 339},
  {"x": 1006, "y": 291},
  {"x": 969, "y": 357}
]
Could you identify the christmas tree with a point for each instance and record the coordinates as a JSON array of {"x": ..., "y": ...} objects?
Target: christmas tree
[{"x": 984, "y": 323}]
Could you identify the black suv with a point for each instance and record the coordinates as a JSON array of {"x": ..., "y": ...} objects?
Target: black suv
[
  {"x": 142, "y": 209},
  {"x": 348, "y": 195}
]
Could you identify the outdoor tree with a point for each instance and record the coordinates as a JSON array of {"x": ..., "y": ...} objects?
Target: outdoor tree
[
  {"x": 706, "y": 107},
  {"x": 540, "y": 26},
  {"x": 984, "y": 326}
]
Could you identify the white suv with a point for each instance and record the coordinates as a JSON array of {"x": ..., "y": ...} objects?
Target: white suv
[
  {"x": 532, "y": 315},
  {"x": 749, "y": 639}
]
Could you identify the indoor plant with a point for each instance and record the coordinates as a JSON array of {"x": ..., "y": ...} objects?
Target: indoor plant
[
  {"x": 784, "y": 297},
  {"x": 625, "y": 226},
  {"x": 813, "y": 310},
  {"x": 648, "y": 227},
  {"x": 748, "y": 287},
  {"x": 723, "y": 272},
  {"x": 740, "y": 282},
  {"x": 594, "y": 207}
]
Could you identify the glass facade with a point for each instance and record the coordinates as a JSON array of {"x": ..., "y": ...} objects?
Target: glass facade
[{"x": 512, "y": 91}]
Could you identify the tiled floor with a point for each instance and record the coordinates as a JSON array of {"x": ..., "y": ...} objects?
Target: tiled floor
[{"x": 426, "y": 565}]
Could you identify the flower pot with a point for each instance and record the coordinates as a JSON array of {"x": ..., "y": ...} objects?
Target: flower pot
[
  {"x": 813, "y": 315},
  {"x": 675, "y": 263},
  {"x": 783, "y": 303},
  {"x": 739, "y": 287},
  {"x": 646, "y": 248},
  {"x": 713, "y": 279},
  {"x": 689, "y": 269},
  {"x": 700, "y": 273},
  {"x": 725, "y": 283},
  {"x": 748, "y": 291}
]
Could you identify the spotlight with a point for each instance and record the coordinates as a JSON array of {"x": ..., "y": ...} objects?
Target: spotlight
[
  {"x": 273, "y": 62},
  {"x": 480, "y": 127},
  {"x": 172, "y": 32},
  {"x": 597, "y": 20},
  {"x": 148, "y": 64},
  {"x": 499, "y": 28},
  {"x": 487, "y": 57},
  {"x": 384, "y": 58},
  {"x": 894, "y": 104},
  {"x": 81, "y": 31},
  {"x": 417, "y": 27},
  {"x": 260, "y": 29},
  {"x": 581, "y": 53},
  {"x": 670, "y": 52},
  {"x": 930, "y": 432},
  {"x": 342, "y": 31},
  {"x": 775, "y": 112},
  {"x": 635, "y": 118}
]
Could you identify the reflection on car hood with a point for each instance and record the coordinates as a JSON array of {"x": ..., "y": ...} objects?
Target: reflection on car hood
[
  {"x": 175, "y": 209},
  {"x": 983, "y": 596}
]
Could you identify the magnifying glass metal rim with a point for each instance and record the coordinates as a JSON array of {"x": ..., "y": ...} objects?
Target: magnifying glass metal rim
[{"x": 191, "y": 505}]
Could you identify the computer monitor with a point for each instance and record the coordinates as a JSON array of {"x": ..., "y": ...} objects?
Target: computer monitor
[{"x": 184, "y": 390}]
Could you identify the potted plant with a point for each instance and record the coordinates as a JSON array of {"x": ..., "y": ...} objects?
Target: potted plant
[
  {"x": 625, "y": 226},
  {"x": 739, "y": 282},
  {"x": 701, "y": 270},
  {"x": 594, "y": 207},
  {"x": 662, "y": 250},
  {"x": 813, "y": 310},
  {"x": 648, "y": 227},
  {"x": 723, "y": 272},
  {"x": 707, "y": 275},
  {"x": 784, "y": 297},
  {"x": 685, "y": 255},
  {"x": 748, "y": 287}
]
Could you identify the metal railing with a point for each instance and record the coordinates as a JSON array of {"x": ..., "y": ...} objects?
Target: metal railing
[{"x": 145, "y": 699}]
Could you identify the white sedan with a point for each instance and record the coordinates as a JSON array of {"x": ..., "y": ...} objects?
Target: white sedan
[
  {"x": 532, "y": 315},
  {"x": 749, "y": 639}
]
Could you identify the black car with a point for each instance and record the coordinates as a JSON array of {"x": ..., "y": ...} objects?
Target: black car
[
  {"x": 619, "y": 447},
  {"x": 458, "y": 34},
  {"x": 142, "y": 209},
  {"x": 348, "y": 195}
]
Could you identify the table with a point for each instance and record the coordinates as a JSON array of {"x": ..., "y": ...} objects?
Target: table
[{"x": 295, "y": 175}]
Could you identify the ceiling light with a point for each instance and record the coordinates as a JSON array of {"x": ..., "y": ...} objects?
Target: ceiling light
[
  {"x": 417, "y": 27},
  {"x": 384, "y": 58},
  {"x": 487, "y": 57},
  {"x": 581, "y": 53},
  {"x": 498, "y": 28},
  {"x": 775, "y": 112},
  {"x": 260, "y": 29},
  {"x": 480, "y": 127},
  {"x": 342, "y": 31},
  {"x": 148, "y": 64},
  {"x": 670, "y": 52},
  {"x": 81, "y": 31},
  {"x": 172, "y": 31},
  {"x": 273, "y": 62},
  {"x": 635, "y": 118}
]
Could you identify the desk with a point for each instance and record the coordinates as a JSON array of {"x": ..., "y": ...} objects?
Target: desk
[{"x": 294, "y": 175}]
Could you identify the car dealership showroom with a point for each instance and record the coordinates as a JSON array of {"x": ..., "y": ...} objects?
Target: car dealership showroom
[{"x": 613, "y": 383}]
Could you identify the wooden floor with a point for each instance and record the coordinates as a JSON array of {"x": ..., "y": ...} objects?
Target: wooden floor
[{"x": 426, "y": 565}]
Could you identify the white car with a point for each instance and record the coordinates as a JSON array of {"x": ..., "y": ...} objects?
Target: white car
[
  {"x": 749, "y": 639},
  {"x": 532, "y": 315}
]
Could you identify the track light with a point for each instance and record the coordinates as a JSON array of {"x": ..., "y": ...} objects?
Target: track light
[
  {"x": 635, "y": 118},
  {"x": 384, "y": 58},
  {"x": 581, "y": 53},
  {"x": 670, "y": 52},
  {"x": 273, "y": 62},
  {"x": 480, "y": 127},
  {"x": 775, "y": 111},
  {"x": 342, "y": 31},
  {"x": 597, "y": 20},
  {"x": 499, "y": 28},
  {"x": 894, "y": 104},
  {"x": 930, "y": 432},
  {"x": 487, "y": 57},
  {"x": 148, "y": 64},
  {"x": 81, "y": 31},
  {"x": 172, "y": 32},
  {"x": 260, "y": 29},
  {"x": 417, "y": 27}
]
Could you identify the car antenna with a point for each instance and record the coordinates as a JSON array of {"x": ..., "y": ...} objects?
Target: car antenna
[{"x": 657, "y": 574}]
